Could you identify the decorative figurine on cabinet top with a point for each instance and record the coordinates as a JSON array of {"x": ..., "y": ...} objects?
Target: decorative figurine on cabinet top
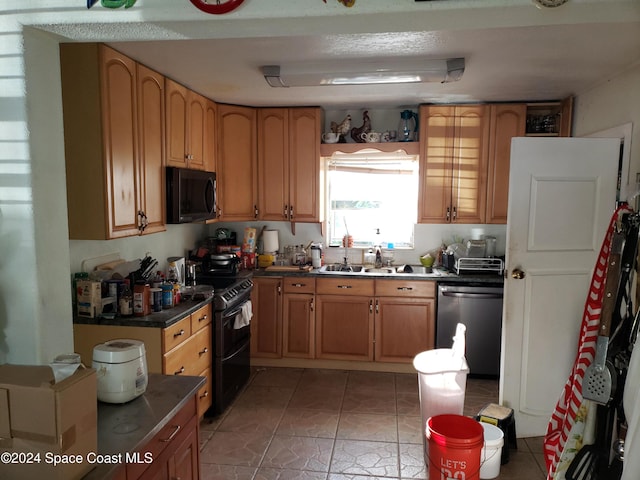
[
  {"x": 356, "y": 133},
  {"x": 342, "y": 128}
]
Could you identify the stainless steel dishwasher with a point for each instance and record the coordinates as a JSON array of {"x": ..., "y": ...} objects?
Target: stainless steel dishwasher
[{"x": 479, "y": 308}]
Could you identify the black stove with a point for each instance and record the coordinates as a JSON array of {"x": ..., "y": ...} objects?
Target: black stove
[{"x": 231, "y": 342}]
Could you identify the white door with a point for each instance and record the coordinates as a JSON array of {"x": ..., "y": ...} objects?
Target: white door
[{"x": 562, "y": 194}]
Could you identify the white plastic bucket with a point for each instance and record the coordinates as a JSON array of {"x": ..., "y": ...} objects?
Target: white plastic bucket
[
  {"x": 442, "y": 382},
  {"x": 491, "y": 451}
]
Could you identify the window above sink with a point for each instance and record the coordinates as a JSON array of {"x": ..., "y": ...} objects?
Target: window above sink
[{"x": 374, "y": 196}]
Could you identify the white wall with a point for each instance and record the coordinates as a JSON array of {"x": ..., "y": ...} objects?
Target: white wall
[{"x": 610, "y": 104}]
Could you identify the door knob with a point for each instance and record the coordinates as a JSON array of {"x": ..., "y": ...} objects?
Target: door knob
[{"x": 517, "y": 274}]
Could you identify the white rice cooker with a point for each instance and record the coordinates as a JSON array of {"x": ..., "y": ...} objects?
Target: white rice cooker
[{"x": 121, "y": 367}]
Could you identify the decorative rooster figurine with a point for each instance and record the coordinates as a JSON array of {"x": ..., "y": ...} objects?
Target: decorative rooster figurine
[
  {"x": 356, "y": 133},
  {"x": 342, "y": 128}
]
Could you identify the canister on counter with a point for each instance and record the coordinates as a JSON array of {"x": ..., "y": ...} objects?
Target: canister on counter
[
  {"x": 156, "y": 302},
  {"x": 167, "y": 295}
]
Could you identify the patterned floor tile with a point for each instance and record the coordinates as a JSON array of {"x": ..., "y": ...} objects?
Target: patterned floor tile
[
  {"x": 299, "y": 453},
  {"x": 232, "y": 448},
  {"x": 367, "y": 426},
  {"x": 412, "y": 461},
  {"x": 284, "y": 474},
  {"x": 365, "y": 458},
  {"x": 226, "y": 472},
  {"x": 367, "y": 401},
  {"x": 410, "y": 429},
  {"x": 251, "y": 419},
  {"x": 308, "y": 423},
  {"x": 317, "y": 398},
  {"x": 277, "y": 377}
]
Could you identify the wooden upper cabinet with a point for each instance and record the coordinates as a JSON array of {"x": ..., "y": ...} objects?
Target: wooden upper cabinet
[
  {"x": 151, "y": 145},
  {"x": 236, "y": 163},
  {"x": 210, "y": 137},
  {"x": 112, "y": 143},
  {"x": 453, "y": 163},
  {"x": 289, "y": 164},
  {"x": 185, "y": 120},
  {"x": 507, "y": 121},
  {"x": 273, "y": 164},
  {"x": 304, "y": 164}
]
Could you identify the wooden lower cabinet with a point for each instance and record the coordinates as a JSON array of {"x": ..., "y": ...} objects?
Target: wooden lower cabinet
[
  {"x": 174, "y": 450},
  {"x": 266, "y": 324},
  {"x": 341, "y": 318},
  {"x": 404, "y": 327},
  {"x": 344, "y": 327},
  {"x": 298, "y": 317}
]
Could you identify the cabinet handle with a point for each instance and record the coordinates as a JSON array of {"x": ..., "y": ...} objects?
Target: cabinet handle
[
  {"x": 448, "y": 213},
  {"x": 285, "y": 214},
  {"x": 298, "y": 285},
  {"x": 455, "y": 213},
  {"x": 377, "y": 307},
  {"x": 204, "y": 351},
  {"x": 311, "y": 305},
  {"x": 291, "y": 212},
  {"x": 176, "y": 429},
  {"x": 179, "y": 372},
  {"x": 143, "y": 221},
  {"x": 205, "y": 394},
  {"x": 203, "y": 318},
  {"x": 179, "y": 334},
  {"x": 370, "y": 306},
  {"x": 344, "y": 286},
  {"x": 405, "y": 289}
]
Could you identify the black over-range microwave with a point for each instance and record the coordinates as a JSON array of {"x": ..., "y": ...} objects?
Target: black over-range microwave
[{"x": 191, "y": 195}]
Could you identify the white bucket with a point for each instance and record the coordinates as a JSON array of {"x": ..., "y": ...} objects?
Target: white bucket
[
  {"x": 491, "y": 452},
  {"x": 442, "y": 382}
]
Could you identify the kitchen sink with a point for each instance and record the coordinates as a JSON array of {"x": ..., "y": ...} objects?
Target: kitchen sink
[{"x": 363, "y": 270}]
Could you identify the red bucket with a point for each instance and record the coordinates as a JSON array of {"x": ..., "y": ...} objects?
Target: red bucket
[{"x": 454, "y": 447}]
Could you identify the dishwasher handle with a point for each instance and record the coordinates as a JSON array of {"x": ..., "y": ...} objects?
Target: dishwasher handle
[{"x": 471, "y": 295}]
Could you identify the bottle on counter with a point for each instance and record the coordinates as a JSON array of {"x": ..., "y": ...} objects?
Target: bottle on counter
[
  {"x": 125, "y": 306},
  {"x": 167, "y": 295},
  {"x": 141, "y": 295}
]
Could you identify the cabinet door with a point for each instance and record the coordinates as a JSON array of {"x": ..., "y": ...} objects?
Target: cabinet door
[
  {"x": 266, "y": 324},
  {"x": 404, "y": 327},
  {"x": 304, "y": 164},
  {"x": 298, "y": 325},
  {"x": 184, "y": 464},
  {"x": 437, "y": 127},
  {"x": 470, "y": 159},
  {"x": 507, "y": 121},
  {"x": 151, "y": 146},
  {"x": 344, "y": 327},
  {"x": 210, "y": 137},
  {"x": 197, "y": 108},
  {"x": 273, "y": 164},
  {"x": 237, "y": 183},
  {"x": 120, "y": 126},
  {"x": 176, "y": 123}
]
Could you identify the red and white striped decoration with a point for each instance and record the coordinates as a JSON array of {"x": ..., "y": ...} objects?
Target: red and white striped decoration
[{"x": 564, "y": 415}]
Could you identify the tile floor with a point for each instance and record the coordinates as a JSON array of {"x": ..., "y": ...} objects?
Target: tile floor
[{"x": 305, "y": 424}]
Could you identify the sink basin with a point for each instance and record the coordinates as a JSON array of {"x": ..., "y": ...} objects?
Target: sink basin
[
  {"x": 361, "y": 269},
  {"x": 341, "y": 268}
]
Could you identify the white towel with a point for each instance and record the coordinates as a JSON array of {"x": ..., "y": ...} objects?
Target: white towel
[{"x": 243, "y": 318}]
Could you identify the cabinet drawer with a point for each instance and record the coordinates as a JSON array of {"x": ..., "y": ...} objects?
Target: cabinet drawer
[
  {"x": 299, "y": 285},
  {"x": 191, "y": 357},
  {"x": 176, "y": 334},
  {"x": 345, "y": 286},
  {"x": 405, "y": 288},
  {"x": 205, "y": 394},
  {"x": 200, "y": 318},
  {"x": 163, "y": 438}
]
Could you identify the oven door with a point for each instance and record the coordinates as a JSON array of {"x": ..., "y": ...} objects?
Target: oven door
[{"x": 228, "y": 338}]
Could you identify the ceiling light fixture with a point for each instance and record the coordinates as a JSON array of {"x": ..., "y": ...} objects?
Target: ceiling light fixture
[{"x": 399, "y": 70}]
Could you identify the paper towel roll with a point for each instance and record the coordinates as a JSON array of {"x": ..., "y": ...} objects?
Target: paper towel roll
[{"x": 270, "y": 241}]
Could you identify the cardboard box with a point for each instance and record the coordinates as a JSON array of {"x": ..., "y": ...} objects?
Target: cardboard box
[
  {"x": 41, "y": 420},
  {"x": 89, "y": 298}
]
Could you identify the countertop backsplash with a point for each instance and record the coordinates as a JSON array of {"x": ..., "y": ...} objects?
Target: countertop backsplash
[{"x": 426, "y": 238}]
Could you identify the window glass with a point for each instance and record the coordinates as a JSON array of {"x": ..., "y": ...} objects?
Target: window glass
[{"x": 373, "y": 196}]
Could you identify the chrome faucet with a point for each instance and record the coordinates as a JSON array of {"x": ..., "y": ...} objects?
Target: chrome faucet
[{"x": 378, "y": 263}]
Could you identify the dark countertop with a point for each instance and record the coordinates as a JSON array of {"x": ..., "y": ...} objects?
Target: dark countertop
[
  {"x": 128, "y": 427},
  {"x": 162, "y": 319},
  {"x": 440, "y": 276}
]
